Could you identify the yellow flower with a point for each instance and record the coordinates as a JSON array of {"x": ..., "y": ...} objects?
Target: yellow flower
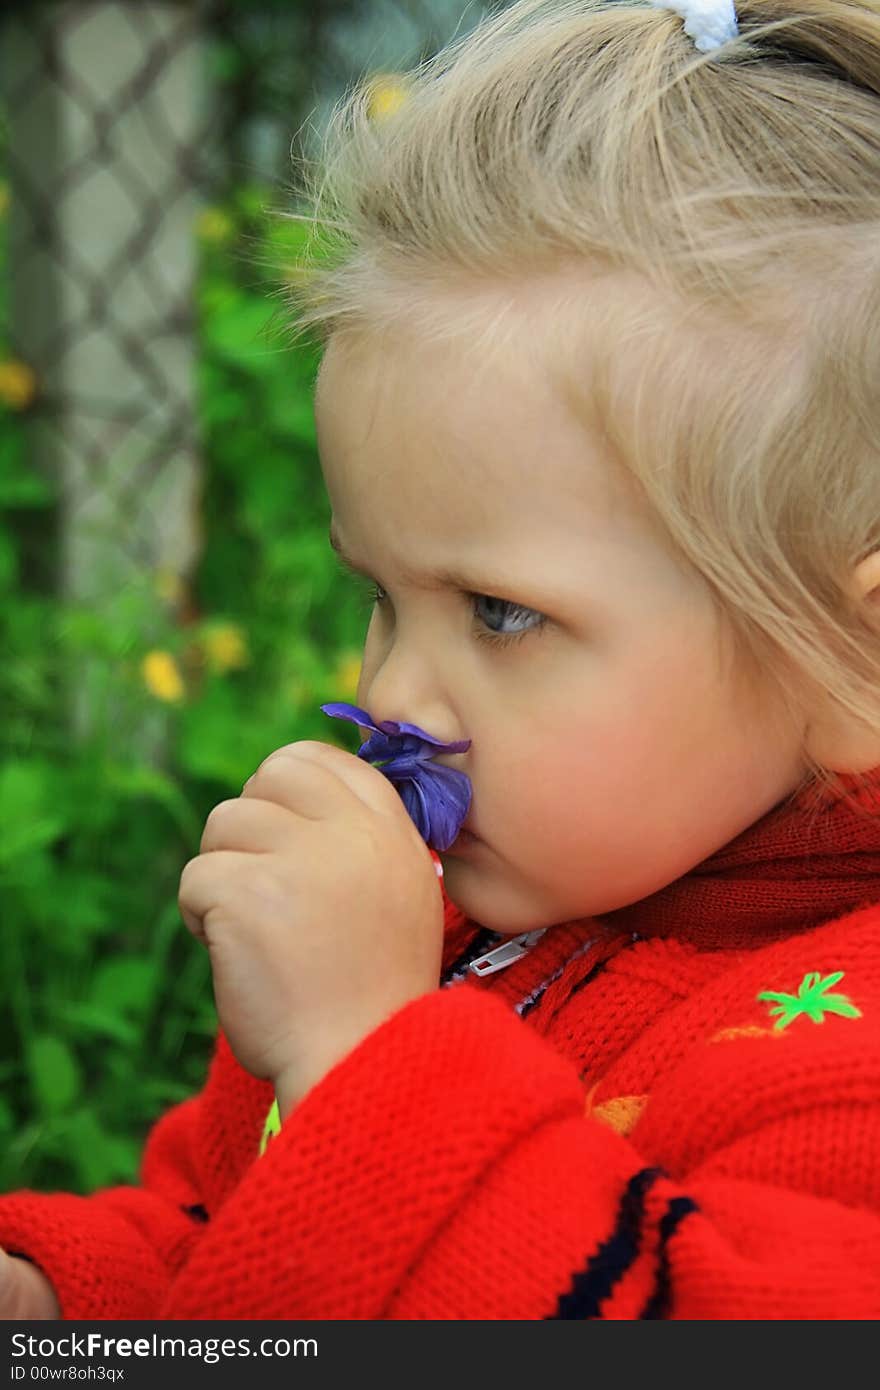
[
  {"x": 214, "y": 225},
  {"x": 161, "y": 676},
  {"x": 18, "y": 384},
  {"x": 387, "y": 95},
  {"x": 347, "y": 674},
  {"x": 225, "y": 647}
]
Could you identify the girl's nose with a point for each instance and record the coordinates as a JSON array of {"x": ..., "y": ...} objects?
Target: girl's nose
[{"x": 407, "y": 688}]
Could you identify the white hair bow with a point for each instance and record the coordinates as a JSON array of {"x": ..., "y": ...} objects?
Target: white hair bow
[{"x": 710, "y": 23}]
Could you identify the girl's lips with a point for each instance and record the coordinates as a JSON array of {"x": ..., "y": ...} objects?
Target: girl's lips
[{"x": 463, "y": 840}]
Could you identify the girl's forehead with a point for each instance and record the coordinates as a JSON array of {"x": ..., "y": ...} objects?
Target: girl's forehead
[
  {"x": 508, "y": 522},
  {"x": 499, "y": 423},
  {"x": 420, "y": 425}
]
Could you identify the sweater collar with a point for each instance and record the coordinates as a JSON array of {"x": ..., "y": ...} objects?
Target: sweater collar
[{"x": 814, "y": 857}]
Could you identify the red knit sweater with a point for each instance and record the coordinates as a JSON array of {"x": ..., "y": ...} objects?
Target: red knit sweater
[{"x": 615, "y": 1126}]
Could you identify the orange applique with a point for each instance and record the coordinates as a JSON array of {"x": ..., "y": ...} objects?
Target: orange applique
[
  {"x": 749, "y": 1030},
  {"x": 621, "y": 1113}
]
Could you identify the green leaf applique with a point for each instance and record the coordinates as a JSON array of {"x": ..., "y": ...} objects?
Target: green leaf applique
[
  {"x": 270, "y": 1128},
  {"x": 811, "y": 1000}
]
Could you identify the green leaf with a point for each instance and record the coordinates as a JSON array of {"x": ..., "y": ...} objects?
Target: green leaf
[
  {"x": 7, "y": 1118},
  {"x": 8, "y": 562},
  {"x": 30, "y": 814},
  {"x": 130, "y": 781},
  {"x": 20, "y": 485},
  {"x": 162, "y": 1092},
  {"x": 25, "y": 490},
  {"x": 236, "y": 330},
  {"x": 269, "y": 507},
  {"x": 124, "y": 985},
  {"x": 252, "y": 199},
  {"x": 225, "y": 61},
  {"x": 839, "y": 1004},
  {"x": 290, "y": 413},
  {"x": 55, "y": 1074},
  {"x": 99, "y": 1157},
  {"x": 220, "y": 739},
  {"x": 79, "y": 900},
  {"x": 830, "y": 980},
  {"x": 89, "y": 1018}
]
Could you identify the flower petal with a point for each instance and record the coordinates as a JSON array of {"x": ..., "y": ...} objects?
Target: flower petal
[
  {"x": 437, "y": 801},
  {"x": 436, "y": 798},
  {"x": 413, "y": 798},
  {"x": 392, "y": 727},
  {"x": 451, "y": 794},
  {"x": 353, "y": 713}
]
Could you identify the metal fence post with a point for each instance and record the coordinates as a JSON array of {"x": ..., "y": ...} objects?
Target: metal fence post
[{"x": 107, "y": 119}]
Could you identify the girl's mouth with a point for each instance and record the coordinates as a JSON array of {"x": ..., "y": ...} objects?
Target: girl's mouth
[{"x": 464, "y": 840}]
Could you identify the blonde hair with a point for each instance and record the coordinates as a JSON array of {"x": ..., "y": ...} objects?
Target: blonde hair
[{"x": 742, "y": 395}]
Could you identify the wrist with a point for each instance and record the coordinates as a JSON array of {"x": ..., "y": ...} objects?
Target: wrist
[
  {"x": 287, "y": 1095},
  {"x": 292, "y": 1083}
]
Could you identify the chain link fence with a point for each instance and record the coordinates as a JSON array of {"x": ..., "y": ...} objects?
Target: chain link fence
[{"x": 121, "y": 123}]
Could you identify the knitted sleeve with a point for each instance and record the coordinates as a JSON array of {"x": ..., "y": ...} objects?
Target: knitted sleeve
[
  {"x": 114, "y": 1254},
  {"x": 447, "y": 1169}
]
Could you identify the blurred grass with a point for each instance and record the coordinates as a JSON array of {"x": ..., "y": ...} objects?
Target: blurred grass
[{"x": 109, "y": 1014}]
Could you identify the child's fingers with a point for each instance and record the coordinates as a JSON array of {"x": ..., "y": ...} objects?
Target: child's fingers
[
  {"x": 250, "y": 825},
  {"x": 306, "y": 777},
  {"x": 209, "y": 880}
]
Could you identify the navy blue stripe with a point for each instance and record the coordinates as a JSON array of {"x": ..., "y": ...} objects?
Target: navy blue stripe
[
  {"x": 197, "y": 1213},
  {"x": 484, "y": 938},
  {"x": 657, "y": 1305},
  {"x": 590, "y": 1286}
]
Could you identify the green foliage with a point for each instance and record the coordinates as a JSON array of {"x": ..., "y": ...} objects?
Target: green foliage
[{"x": 109, "y": 1015}]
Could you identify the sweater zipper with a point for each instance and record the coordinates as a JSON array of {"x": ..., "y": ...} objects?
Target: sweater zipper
[{"x": 502, "y": 956}]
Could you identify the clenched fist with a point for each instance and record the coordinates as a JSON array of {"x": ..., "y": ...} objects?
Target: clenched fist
[{"x": 319, "y": 904}]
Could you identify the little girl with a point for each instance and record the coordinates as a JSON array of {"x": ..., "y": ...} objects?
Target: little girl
[{"x": 598, "y": 420}]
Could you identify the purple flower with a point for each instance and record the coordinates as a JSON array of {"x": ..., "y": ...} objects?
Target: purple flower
[{"x": 437, "y": 798}]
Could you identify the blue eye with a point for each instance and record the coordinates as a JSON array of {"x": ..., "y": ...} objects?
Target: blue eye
[
  {"x": 484, "y": 633},
  {"x": 502, "y": 607}
]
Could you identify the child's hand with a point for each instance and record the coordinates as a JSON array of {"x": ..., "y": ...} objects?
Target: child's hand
[
  {"x": 319, "y": 903},
  {"x": 25, "y": 1293}
]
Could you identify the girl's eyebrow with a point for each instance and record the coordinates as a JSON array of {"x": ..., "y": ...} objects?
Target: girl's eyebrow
[{"x": 428, "y": 579}]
